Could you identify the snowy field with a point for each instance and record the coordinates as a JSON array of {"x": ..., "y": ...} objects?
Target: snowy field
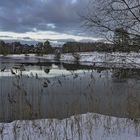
[{"x": 81, "y": 127}]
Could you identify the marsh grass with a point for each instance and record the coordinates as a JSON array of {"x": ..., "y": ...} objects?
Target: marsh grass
[{"x": 90, "y": 126}]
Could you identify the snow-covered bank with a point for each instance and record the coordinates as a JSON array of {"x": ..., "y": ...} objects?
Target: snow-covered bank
[
  {"x": 128, "y": 60},
  {"x": 115, "y": 59},
  {"x": 88, "y": 126}
]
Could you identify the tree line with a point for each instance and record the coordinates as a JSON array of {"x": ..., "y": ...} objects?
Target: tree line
[
  {"x": 18, "y": 48},
  {"x": 122, "y": 43}
]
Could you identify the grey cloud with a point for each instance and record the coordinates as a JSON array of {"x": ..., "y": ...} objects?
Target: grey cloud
[{"x": 26, "y": 15}]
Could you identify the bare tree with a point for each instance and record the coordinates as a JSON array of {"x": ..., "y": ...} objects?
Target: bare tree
[{"x": 104, "y": 16}]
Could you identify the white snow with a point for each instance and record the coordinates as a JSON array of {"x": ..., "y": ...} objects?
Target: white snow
[
  {"x": 115, "y": 59},
  {"x": 88, "y": 126},
  {"x": 98, "y": 59},
  {"x": 107, "y": 59}
]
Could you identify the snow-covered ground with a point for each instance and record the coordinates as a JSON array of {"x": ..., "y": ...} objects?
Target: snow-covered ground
[
  {"x": 115, "y": 59},
  {"x": 88, "y": 126},
  {"x": 106, "y": 59}
]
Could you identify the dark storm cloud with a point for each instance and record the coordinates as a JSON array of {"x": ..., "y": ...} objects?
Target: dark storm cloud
[{"x": 29, "y": 15}]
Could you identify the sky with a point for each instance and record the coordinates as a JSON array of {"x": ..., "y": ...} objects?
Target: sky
[{"x": 43, "y": 19}]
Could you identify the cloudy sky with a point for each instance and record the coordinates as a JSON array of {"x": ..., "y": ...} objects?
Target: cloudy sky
[{"x": 43, "y": 19}]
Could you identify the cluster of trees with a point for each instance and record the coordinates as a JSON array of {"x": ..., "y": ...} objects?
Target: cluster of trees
[
  {"x": 18, "y": 48},
  {"x": 14, "y": 48},
  {"x": 44, "y": 48},
  {"x": 71, "y": 47},
  {"x": 122, "y": 41},
  {"x": 123, "y": 38}
]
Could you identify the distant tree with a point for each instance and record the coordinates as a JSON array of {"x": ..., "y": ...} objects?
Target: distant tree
[
  {"x": 16, "y": 44},
  {"x": 2, "y": 43},
  {"x": 47, "y": 43},
  {"x": 121, "y": 37},
  {"x": 39, "y": 48},
  {"x": 39, "y": 44},
  {"x": 48, "y": 48},
  {"x": 3, "y": 49}
]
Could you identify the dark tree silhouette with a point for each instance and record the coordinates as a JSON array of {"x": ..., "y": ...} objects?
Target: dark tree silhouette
[{"x": 121, "y": 37}]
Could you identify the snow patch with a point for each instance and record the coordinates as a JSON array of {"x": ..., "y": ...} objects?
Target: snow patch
[{"x": 84, "y": 127}]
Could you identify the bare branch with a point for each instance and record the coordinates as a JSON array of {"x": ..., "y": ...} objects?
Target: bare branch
[{"x": 105, "y": 16}]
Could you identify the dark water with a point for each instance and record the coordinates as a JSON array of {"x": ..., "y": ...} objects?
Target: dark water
[{"x": 32, "y": 88}]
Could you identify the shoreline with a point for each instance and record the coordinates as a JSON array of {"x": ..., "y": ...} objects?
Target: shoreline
[{"x": 97, "y": 59}]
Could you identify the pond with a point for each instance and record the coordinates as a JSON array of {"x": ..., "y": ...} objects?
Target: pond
[{"x": 32, "y": 88}]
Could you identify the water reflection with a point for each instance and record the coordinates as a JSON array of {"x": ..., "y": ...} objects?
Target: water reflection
[{"x": 59, "y": 90}]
